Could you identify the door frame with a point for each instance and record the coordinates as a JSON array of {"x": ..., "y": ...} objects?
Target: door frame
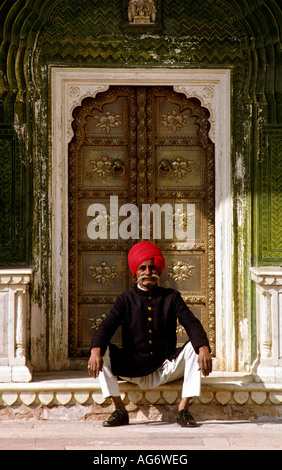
[{"x": 212, "y": 87}]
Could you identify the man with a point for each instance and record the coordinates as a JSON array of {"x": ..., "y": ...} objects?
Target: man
[{"x": 149, "y": 356}]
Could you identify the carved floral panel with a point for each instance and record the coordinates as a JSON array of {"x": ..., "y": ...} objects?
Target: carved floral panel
[{"x": 103, "y": 166}]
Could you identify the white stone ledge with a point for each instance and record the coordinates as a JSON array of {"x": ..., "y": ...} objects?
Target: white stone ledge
[
  {"x": 267, "y": 275},
  {"x": 76, "y": 388},
  {"x": 81, "y": 381},
  {"x": 15, "y": 276}
]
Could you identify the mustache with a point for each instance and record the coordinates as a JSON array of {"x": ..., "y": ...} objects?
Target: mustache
[{"x": 151, "y": 277}]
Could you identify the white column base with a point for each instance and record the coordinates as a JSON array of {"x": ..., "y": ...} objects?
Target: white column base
[
  {"x": 14, "y": 307},
  {"x": 268, "y": 366},
  {"x": 269, "y": 374},
  {"x": 15, "y": 373}
]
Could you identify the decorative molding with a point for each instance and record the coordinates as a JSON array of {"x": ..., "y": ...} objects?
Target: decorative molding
[
  {"x": 207, "y": 97},
  {"x": 219, "y": 394},
  {"x": 75, "y": 94},
  {"x": 205, "y": 85},
  {"x": 267, "y": 275},
  {"x": 15, "y": 276},
  {"x": 69, "y": 86}
]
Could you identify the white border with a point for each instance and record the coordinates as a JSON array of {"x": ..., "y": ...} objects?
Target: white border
[{"x": 213, "y": 88}]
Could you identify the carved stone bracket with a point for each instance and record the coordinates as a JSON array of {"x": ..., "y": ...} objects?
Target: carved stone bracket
[
  {"x": 75, "y": 95},
  {"x": 206, "y": 95},
  {"x": 14, "y": 304}
]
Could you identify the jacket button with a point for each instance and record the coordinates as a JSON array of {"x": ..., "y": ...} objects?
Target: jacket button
[
  {"x": 150, "y": 331},
  {"x": 150, "y": 341},
  {"x": 150, "y": 318},
  {"x": 149, "y": 308}
]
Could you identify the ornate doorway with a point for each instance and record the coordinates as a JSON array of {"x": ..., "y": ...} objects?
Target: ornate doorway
[{"x": 139, "y": 146}]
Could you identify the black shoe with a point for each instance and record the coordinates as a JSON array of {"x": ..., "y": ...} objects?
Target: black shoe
[
  {"x": 186, "y": 420},
  {"x": 118, "y": 418}
]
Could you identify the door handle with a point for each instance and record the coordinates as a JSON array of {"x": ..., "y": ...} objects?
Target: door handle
[
  {"x": 164, "y": 168},
  {"x": 118, "y": 168}
]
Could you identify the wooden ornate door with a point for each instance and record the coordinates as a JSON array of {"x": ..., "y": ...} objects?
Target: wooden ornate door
[{"x": 134, "y": 147}]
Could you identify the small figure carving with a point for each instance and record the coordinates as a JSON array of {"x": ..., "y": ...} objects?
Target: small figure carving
[{"x": 141, "y": 11}]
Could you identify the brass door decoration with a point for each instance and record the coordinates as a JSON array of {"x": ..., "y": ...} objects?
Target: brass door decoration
[{"x": 134, "y": 147}]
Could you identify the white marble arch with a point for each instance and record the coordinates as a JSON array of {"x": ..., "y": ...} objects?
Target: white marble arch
[{"x": 69, "y": 86}]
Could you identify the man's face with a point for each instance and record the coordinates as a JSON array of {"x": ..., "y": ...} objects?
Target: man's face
[{"x": 147, "y": 274}]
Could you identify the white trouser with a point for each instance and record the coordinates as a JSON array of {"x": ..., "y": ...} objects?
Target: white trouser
[{"x": 184, "y": 365}]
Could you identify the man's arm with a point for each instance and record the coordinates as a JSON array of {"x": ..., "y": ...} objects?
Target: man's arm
[
  {"x": 102, "y": 336},
  {"x": 95, "y": 362},
  {"x": 196, "y": 334},
  {"x": 192, "y": 325},
  {"x": 205, "y": 360}
]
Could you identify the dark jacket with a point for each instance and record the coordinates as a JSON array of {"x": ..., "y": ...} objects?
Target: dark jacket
[{"x": 149, "y": 321}]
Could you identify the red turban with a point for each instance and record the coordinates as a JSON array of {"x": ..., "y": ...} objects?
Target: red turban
[{"x": 143, "y": 251}]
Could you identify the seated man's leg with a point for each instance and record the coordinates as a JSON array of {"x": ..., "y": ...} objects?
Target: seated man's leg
[
  {"x": 192, "y": 375},
  {"x": 184, "y": 366},
  {"x": 191, "y": 382},
  {"x": 108, "y": 381},
  {"x": 110, "y": 388}
]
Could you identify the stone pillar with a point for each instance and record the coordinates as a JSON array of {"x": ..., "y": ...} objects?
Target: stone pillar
[
  {"x": 14, "y": 316},
  {"x": 268, "y": 366}
]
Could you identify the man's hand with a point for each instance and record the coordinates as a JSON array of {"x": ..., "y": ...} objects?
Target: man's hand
[
  {"x": 95, "y": 362},
  {"x": 205, "y": 361}
]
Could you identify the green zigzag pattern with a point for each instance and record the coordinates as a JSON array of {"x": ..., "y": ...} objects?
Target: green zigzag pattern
[
  {"x": 275, "y": 196},
  {"x": 199, "y": 30},
  {"x": 191, "y": 18},
  {"x": 86, "y": 18}
]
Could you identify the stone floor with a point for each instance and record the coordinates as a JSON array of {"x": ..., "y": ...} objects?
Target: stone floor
[{"x": 147, "y": 435}]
